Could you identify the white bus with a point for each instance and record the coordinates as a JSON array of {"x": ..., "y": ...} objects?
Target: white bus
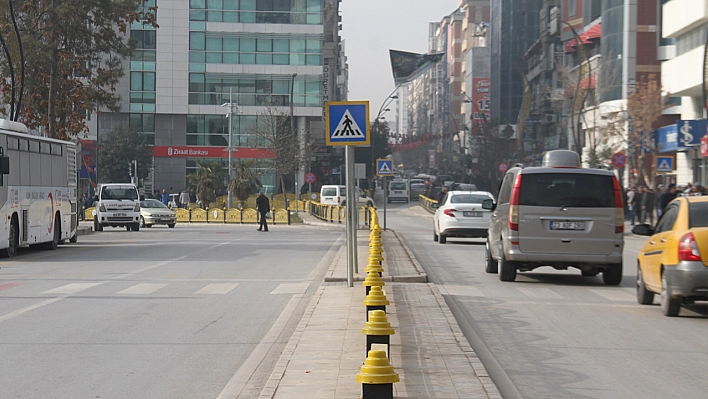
[{"x": 38, "y": 192}]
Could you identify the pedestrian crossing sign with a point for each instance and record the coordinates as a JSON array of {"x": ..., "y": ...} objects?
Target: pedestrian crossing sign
[
  {"x": 664, "y": 164},
  {"x": 384, "y": 167},
  {"x": 347, "y": 123}
]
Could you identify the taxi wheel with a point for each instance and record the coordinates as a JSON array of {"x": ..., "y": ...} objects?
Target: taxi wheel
[
  {"x": 507, "y": 269},
  {"x": 490, "y": 264},
  {"x": 612, "y": 275},
  {"x": 644, "y": 296},
  {"x": 669, "y": 306}
]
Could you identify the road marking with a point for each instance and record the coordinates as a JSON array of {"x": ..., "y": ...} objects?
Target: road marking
[
  {"x": 7, "y": 286},
  {"x": 28, "y": 308},
  {"x": 615, "y": 295},
  {"x": 72, "y": 288},
  {"x": 460, "y": 290},
  {"x": 539, "y": 293},
  {"x": 142, "y": 289},
  {"x": 216, "y": 289},
  {"x": 292, "y": 288},
  {"x": 238, "y": 381}
]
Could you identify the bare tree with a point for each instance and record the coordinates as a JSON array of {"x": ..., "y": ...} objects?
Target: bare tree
[{"x": 644, "y": 108}]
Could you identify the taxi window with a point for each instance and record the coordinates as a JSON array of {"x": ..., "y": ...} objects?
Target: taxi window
[
  {"x": 668, "y": 219},
  {"x": 697, "y": 214}
]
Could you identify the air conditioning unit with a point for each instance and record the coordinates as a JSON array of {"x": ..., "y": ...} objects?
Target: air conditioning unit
[{"x": 550, "y": 118}]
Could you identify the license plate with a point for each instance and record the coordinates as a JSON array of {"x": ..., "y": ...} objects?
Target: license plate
[
  {"x": 120, "y": 214},
  {"x": 567, "y": 225},
  {"x": 165, "y": 219},
  {"x": 398, "y": 192},
  {"x": 474, "y": 214}
]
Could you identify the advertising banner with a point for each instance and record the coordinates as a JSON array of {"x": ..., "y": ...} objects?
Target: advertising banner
[
  {"x": 480, "y": 99},
  {"x": 407, "y": 66},
  {"x": 431, "y": 158},
  {"x": 704, "y": 146},
  {"x": 88, "y": 160}
]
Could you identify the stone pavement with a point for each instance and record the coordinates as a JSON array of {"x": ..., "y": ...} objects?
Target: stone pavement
[{"x": 428, "y": 350}]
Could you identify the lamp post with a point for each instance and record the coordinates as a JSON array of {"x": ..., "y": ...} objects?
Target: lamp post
[
  {"x": 230, "y": 115},
  {"x": 292, "y": 131}
]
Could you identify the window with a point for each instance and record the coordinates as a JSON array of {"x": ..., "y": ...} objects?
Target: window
[
  {"x": 572, "y": 8},
  {"x": 567, "y": 189},
  {"x": 146, "y": 39},
  {"x": 667, "y": 220},
  {"x": 697, "y": 214},
  {"x": 142, "y": 81}
]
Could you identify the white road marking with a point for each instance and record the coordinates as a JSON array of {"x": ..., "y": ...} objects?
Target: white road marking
[
  {"x": 292, "y": 288},
  {"x": 28, "y": 308},
  {"x": 460, "y": 290},
  {"x": 142, "y": 289},
  {"x": 614, "y": 295},
  {"x": 539, "y": 293},
  {"x": 72, "y": 288},
  {"x": 216, "y": 289}
]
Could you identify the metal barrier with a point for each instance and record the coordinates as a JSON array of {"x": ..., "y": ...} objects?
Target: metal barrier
[
  {"x": 427, "y": 203},
  {"x": 334, "y": 213}
]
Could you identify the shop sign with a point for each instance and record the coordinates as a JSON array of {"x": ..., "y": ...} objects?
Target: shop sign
[
  {"x": 704, "y": 146},
  {"x": 186, "y": 151},
  {"x": 681, "y": 136}
]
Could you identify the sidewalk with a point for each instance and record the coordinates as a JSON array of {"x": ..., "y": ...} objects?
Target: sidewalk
[{"x": 428, "y": 350}]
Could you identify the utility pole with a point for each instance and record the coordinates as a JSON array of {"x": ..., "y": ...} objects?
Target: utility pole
[{"x": 230, "y": 116}]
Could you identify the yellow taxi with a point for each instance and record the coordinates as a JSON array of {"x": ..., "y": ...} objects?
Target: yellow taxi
[{"x": 674, "y": 260}]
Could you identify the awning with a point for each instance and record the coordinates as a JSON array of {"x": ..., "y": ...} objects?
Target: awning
[
  {"x": 594, "y": 32},
  {"x": 588, "y": 82}
]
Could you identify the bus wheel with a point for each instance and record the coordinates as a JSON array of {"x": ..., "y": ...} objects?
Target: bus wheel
[
  {"x": 11, "y": 250},
  {"x": 52, "y": 245}
]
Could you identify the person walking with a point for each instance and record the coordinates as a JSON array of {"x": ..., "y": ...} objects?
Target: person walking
[
  {"x": 667, "y": 196},
  {"x": 637, "y": 206},
  {"x": 165, "y": 198},
  {"x": 263, "y": 207},
  {"x": 648, "y": 202},
  {"x": 184, "y": 198},
  {"x": 629, "y": 216}
]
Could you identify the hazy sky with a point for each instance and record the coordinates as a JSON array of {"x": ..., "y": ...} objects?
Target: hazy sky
[{"x": 371, "y": 27}]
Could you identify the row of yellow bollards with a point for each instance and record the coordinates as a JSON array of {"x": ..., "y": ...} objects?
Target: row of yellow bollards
[{"x": 377, "y": 374}]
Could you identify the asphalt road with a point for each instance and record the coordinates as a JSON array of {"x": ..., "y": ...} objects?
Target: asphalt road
[
  {"x": 190, "y": 312},
  {"x": 556, "y": 334}
]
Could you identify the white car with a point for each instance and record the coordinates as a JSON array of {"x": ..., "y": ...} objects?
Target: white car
[
  {"x": 460, "y": 214},
  {"x": 153, "y": 212}
]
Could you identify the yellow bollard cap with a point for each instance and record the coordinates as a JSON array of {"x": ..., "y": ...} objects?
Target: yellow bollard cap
[
  {"x": 372, "y": 279},
  {"x": 377, "y": 324},
  {"x": 376, "y": 297},
  {"x": 377, "y": 370}
]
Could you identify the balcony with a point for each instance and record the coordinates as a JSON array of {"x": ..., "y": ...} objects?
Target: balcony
[{"x": 683, "y": 75}]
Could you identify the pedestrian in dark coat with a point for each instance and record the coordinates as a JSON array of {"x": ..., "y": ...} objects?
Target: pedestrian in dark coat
[
  {"x": 637, "y": 205},
  {"x": 263, "y": 207},
  {"x": 648, "y": 202}
]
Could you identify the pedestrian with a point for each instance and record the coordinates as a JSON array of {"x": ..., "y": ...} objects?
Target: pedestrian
[
  {"x": 696, "y": 189},
  {"x": 630, "y": 205},
  {"x": 263, "y": 207},
  {"x": 637, "y": 205},
  {"x": 667, "y": 196},
  {"x": 184, "y": 198},
  {"x": 648, "y": 202},
  {"x": 82, "y": 212},
  {"x": 165, "y": 198},
  {"x": 441, "y": 194}
]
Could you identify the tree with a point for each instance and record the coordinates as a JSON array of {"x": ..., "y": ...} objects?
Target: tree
[
  {"x": 245, "y": 181},
  {"x": 273, "y": 130},
  {"x": 644, "y": 108},
  {"x": 74, "y": 58},
  {"x": 118, "y": 150},
  {"x": 207, "y": 180}
]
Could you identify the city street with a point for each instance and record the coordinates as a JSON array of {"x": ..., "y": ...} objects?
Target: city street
[
  {"x": 193, "y": 312},
  {"x": 556, "y": 334}
]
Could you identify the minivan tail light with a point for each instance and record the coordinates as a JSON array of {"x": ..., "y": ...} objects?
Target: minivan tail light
[
  {"x": 619, "y": 208},
  {"x": 449, "y": 211},
  {"x": 688, "y": 248},
  {"x": 514, "y": 205}
]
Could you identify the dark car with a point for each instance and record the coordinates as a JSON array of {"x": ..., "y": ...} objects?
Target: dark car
[{"x": 416, "y": 189}]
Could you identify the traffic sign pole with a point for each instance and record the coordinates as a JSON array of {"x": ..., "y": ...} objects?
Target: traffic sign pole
[{"x": 351, "y": 208}]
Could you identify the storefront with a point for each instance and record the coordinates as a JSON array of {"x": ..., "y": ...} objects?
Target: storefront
[{"x": 704, "y": 160}]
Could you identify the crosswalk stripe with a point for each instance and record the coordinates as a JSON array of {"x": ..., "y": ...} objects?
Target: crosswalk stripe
[
  {"x": 216, "y": 289},
  {"x": 539, "y": 293},
  {"x": 615, "y": 295},
  {"x": 71, "y": 288},
  {"x": 142, "y": 289},
  {"x": 290, "y": 288}
]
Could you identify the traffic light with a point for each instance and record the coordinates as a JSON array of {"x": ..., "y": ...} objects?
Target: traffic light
[{"x": 130, "y": 169}]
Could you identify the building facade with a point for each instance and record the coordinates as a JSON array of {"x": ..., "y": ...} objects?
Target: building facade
[{"x": 256, "y": 55}]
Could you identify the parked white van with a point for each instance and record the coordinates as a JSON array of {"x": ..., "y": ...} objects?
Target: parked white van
[
  {"x": 398, "y": 191},
  {"x": 337, "y": 195}
]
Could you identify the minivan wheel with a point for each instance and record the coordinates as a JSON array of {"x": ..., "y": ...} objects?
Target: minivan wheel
[
  {"x": 507, "y": 269},
  {"x": 669, "y": 306},
  {"x": 644, "y": 296},
  {"x": 612, "y": 275},
  {"x": 490, "y": 264},
  {"x": 435, "y": 235}
]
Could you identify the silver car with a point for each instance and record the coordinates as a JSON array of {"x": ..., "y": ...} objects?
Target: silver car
[
  {"x": 154, "y": 212},
  {"x": 558, "y": 215}
]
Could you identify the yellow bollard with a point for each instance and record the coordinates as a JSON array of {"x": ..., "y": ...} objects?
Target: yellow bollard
[
  {"x": 372, "y": 279},
  {"x": 373, "y": 266},
  {"x": 377, "y": 377},
  {"x": 378, "y": 330},
  {"x": 376, "y": 300}
]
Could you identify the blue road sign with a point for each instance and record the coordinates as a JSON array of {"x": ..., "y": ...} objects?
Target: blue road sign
[
  {"x": 384, "y": 167},
  {"x": 664, "y": 164},
  {"x": 348, "y": 123},
  {"x": 618, "y": 160}
]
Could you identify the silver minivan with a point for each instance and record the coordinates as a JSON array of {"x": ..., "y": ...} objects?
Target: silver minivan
[
  {"x": 398, "y": 191},
  {"x": 558, "y": 215}
]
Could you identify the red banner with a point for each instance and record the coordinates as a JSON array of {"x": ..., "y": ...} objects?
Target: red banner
[
  {"x": 188, "y": 151},
  {"x": 704, "y": 146},
  {"x": 480, "y": 99}
]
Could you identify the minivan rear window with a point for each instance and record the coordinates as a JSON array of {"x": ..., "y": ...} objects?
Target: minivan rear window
[
  {"x": 398, "y": 186},
  {"x": 329, "y": 192},
  {"x": 697, "y": 214},
  {"x": 567, "y": 189}
]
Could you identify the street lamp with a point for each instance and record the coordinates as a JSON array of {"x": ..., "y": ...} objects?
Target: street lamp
[
  {"x": 292, "y": 131},
  {"x": 230, "y": 115}
]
